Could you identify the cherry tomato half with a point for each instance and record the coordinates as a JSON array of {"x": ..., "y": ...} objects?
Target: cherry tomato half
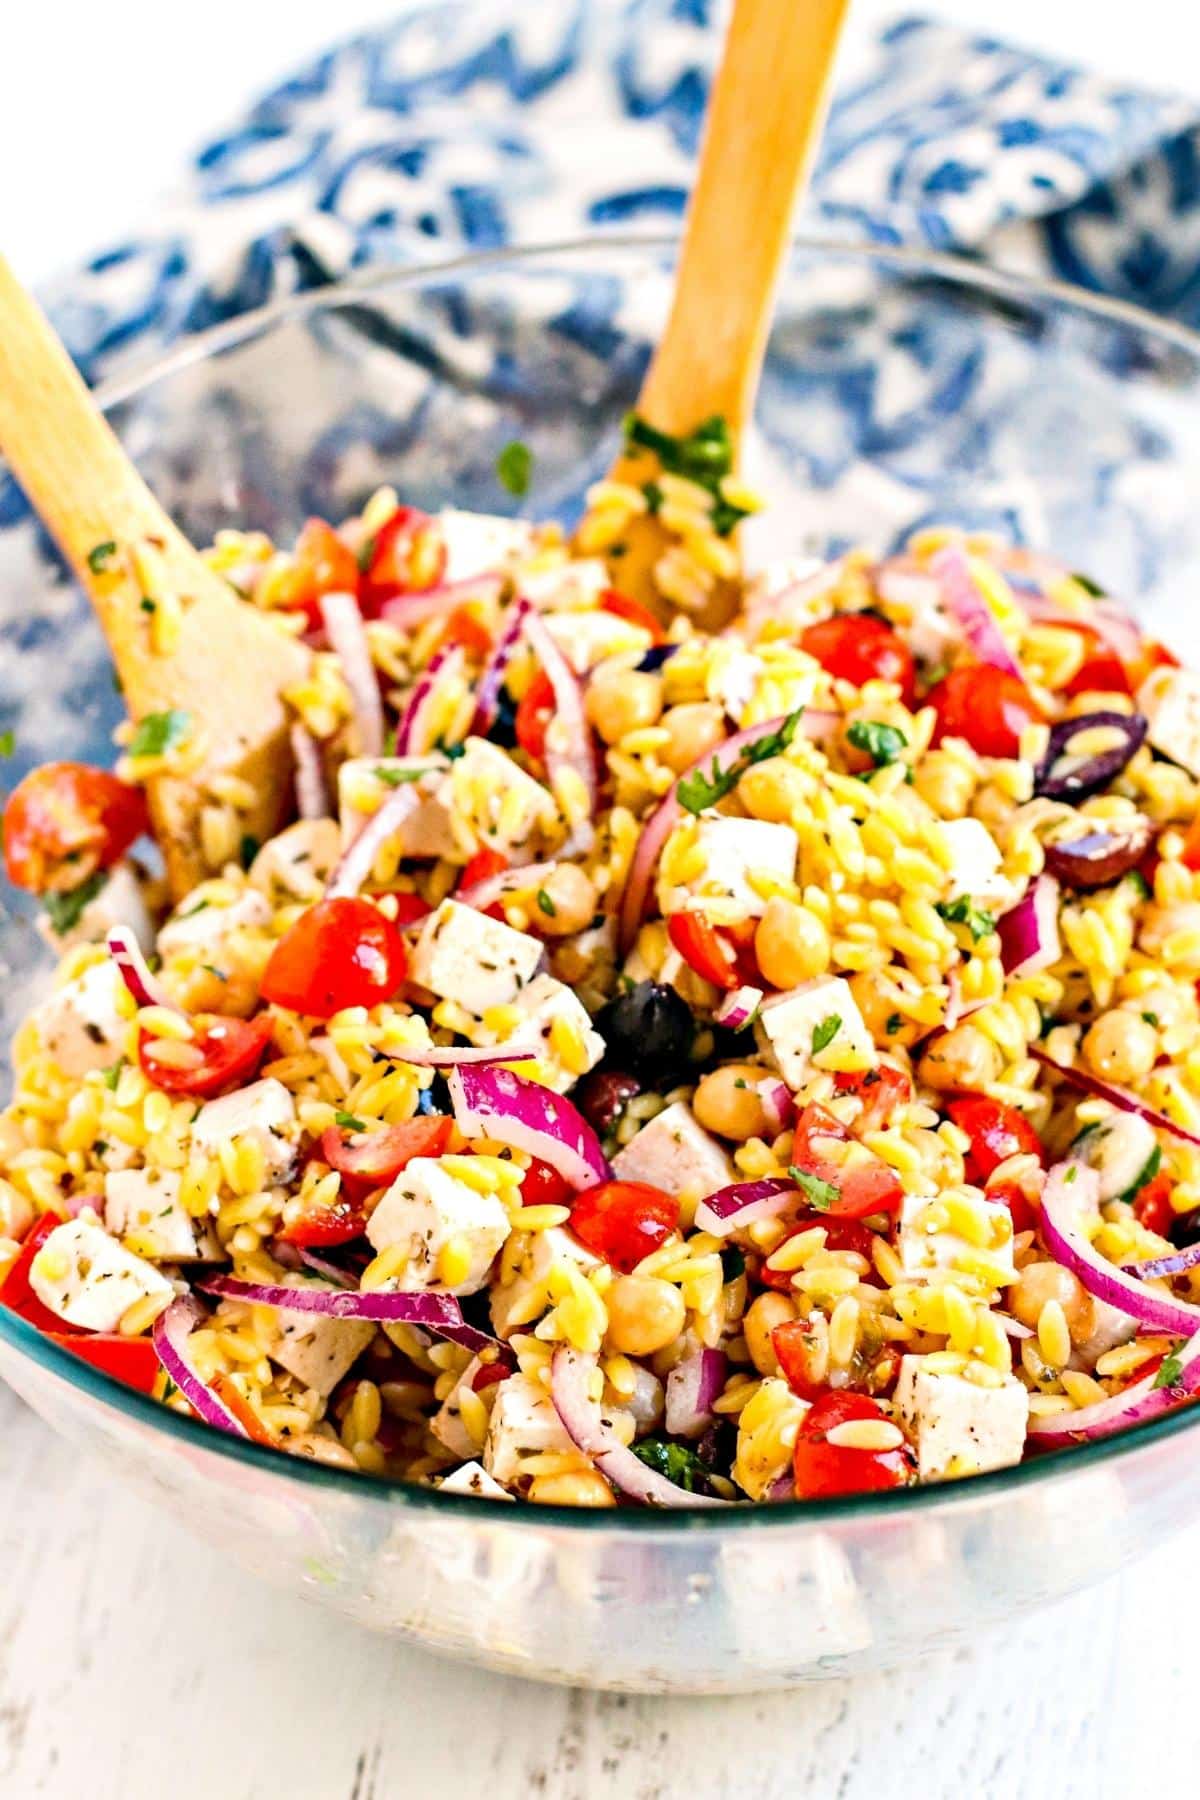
[
  {"x": 408, "y": 556},
  {"x": 703, "y": 949},
  {"x": 66, "y": 820},
  {"x": 622, "y": 1221},
  {"x": 881, "y": 1090},
  {"x": 371, "y": 1159},
  {"x": 464, "y": 627},
  {"x": 1152, "y": 1204},
  {"x": 341, "y": 952},
  {"x": 861, "y": 1188},
  {"x": 323, "y": 565},
  {"x": 534, "y": 713},
  {"x": 543, "y": 1186},
  {"x": 996, "y": 1132},
  {"x": 988, "y": 707},
  {"x": 1101, "y": 670},
  {"x": 622, "y": 607},
  {"x": 792, "y": 1343},
  {"x": 231, "y": 1050},
  {"x": 841, "y": 1233},
  {"x": 15, "y": 1290},
  {"x": 824, "y": 1470},
  {"x": 132, "y": 1360},
  {"x": 858, "y": 647}
]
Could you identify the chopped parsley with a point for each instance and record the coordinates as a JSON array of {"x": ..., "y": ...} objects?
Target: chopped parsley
[
  {"x": 64, "y": 911},
  {"x": 8, "y": 742},
  {"x": 1089, "y": 586},
  {"x": 704, "y": 456},
  {"x": 733, "y": 1264},
  {"x": 698, "y": 791},
  {"x": 113, "y": 1075},
  {"x": 882, "y": 743},
  {"x": 398, "y": 777},
  {"x": 248, "y": 849},
  {"x": 1171, "y": 1368},
  {"x": 348, "y": 1122},
  {"x": 514, "y": 467},
  {"x": 1070, "y": 1175},
  {"x": 98, "y": 556},
  {"x": 147, "y": 605},
  {"x": 818, "y": 1193},
  {"x": 159, "y": 732},
  {"x": 960, "y": 912},
  {"x": 677, "y": 1462},
  {"x": 1151, "y": 1019},
  {"x": 546, "y": 904},
  {"x": 824, "y": 1033},
  {"x": 895, "y": 1023},
  {"x": 212, "y": 969}
]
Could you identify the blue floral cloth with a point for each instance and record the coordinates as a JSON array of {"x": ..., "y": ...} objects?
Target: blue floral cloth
[{"x": 477, "y": 123}]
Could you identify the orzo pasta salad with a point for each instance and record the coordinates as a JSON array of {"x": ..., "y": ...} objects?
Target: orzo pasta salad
[{"x": 657, "y": 1065}]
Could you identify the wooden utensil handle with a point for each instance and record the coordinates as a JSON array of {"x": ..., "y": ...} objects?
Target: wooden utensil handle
[{"x": 764, "y": 121}]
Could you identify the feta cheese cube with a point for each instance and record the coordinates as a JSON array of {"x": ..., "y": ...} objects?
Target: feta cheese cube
[
  {"x": 464, "y": 956},
  {"x": 504, "y": 806},
  {"x": 84, "y": 1024},
  {"x": 117, "y": 901},
  {"x": 144, "y": 1205},
  {"x": 317, "y": 1350},
  {"x": 473, "y": 1478},
  {"x": 579, "y": 582},
  {"x": 959, "y": 1428},
  {"x": 426, "y": 1209},
  {"x": 524, "y": 1422},
  {"x": 1170, "y": 700},
  {"x": 482, "y": 543},
  {"x": 515, "y": 1304},
  {"x": 550, "y": 1014},
  {"x": 734, "y": 849},
  {"x": 365, "y": 782},
  {"x": 814, "y": 1026},
  {"x": 733, "y": 678},
  {"x": 588, "y": 638},
  {"x": 89, "y": 1280},
  {"x": 975, "y": 869},
  {"x": 676, "y": 1154},
  {"x": 971, "y": 1234},
  {"x": 296, "y": 863},
  {"x": 264, "y": 1112},
  {"x": 203, "y": 922}
]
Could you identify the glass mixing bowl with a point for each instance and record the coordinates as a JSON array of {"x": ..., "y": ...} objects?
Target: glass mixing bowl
[{"x": 898, "y": 389}]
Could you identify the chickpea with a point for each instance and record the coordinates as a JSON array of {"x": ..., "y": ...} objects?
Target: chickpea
[
  {"x": 1121, "y": 1046},
  {"x": 875, "y": 994},
  {"x": 566, "y": 902},
  {"x": 727, "y": 1101},
  {"x": 693, "y": 730},
  {"x": 768, "y": 1311},
  {"x": 644, "y": 1314},
  {"x": 1042, "y": 1281},
  {"x": 773, "y": 790},
  {"x": 625, "y": 700},
  {"x": 791, "y": 943},
  {"x": 962, "y": 1058}
]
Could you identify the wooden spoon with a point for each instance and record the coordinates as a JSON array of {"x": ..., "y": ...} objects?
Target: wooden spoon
[
  {"x": 765, "y": 115},
  {"x": 230, "y": 663}
]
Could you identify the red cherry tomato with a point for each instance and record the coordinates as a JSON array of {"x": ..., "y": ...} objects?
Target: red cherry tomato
[
  {"x": 1013, "y": 1195},
  {"x": 323, "y": 565},
  {"x": 465, "y": 628},
  {"x": 487, "y": 1374},
  {"x": 1101, "y": 670},
  {"x": 15, "y": 1290},
  {"x": 482, "y": 867},
  {"x": 235, "y": 1401},
  {"x": 622, "y": 607},
  {"x": 858, "y": 647},
  {"x": 231, "y": 1050},
  {"x": 534, "y": 714},
  {"x": 341, "y": 952},
  {"x": 407, "y": 556},
  {"x": 824, "y": 1470},
  {"x": 703, "y": 949},
  {"x": 1189, "y": 855},
  {"x": 409, "y": 909},
  {"x": 66, "y": 820},
  {"x": 1152, "y": 1204},
  {"x": 996, "y": 1132},
  {"x": 881, "y": 1090},
  {"x": 372, "y": 1159},
  {"x": 622, "y": 1221},
  {"x": 791, "y": 1342},
  {"x": 841, "y": 1233},
  {"x": 861, "y": 1188},
  {"x": 543, "y": 1186},
  {"x": 132, "y": 1360},
  {"x": 986, "y": 706}
]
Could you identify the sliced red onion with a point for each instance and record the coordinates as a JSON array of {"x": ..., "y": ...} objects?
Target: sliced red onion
[
  {"x": 353, "y": 868},
  {"x": 1109, "y": 621},
  {"x": 1132, "y": 1406},
  {"x": 693, "y": 1385},
  {"x": 407, "y": 611},
  {"x": 778, "y": 1103},
  {"x": 439, "y": 1313},
  {"x": 482, "y": 894},
  {"x": 169, "y": 1335},
  {"x": 497, "y": 1103},
  {"x": 1118, "y": 1097},
  {"x": 312, "y": 794},
  {"x": 1174, "y": 1264},
  {"x": 732, "y": 1208},
  {"x": 782, "y": 1488},
  {"x": 1080, "y": 779},
  {"x": 348, "y": 639},
  {"x": 737, "y": 1009},
  {"x": 568, "y": 737},
  {"x": 321, "y": 1266},
  {"x": 1072, "y": 1191},
  {"x": 455, "y": 1056},
  {"x": 1100, "y": 857},
  {"x": 587, "y": 1428},
  {"x": 815, "y": 724},
  {"x": 487, "y": 694},
  {"x": 147, "y": 989},
  {"x": 412, "y": 733},
  {"x": 963, "y": 598},
  {"x": 1028, "y": 932},
  {"x": 793, "y": 601}
]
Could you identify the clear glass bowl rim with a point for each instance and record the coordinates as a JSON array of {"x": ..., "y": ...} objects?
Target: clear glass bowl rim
[{"x": 957, "y": 271}]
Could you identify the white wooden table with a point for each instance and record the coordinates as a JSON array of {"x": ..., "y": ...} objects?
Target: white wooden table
[{"x": 134, "y": 1663}]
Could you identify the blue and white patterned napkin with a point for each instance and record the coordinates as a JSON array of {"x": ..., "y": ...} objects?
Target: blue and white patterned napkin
[{"x": 478, "y": 122}]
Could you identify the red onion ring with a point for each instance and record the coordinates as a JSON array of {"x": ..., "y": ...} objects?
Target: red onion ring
[
  {"x": 568, "y": 737},
  {"x": 1176, "y": 1263},
  {"x": 586, "y": 1427},
  {"x": 730, "y": 1208},
  {"x": 737, "y": 1009},
  {"x": 692, "y": 1386},
  {"x": 312, "y": 794},
  {"x": 412, "y": 730},
  {"x": 354, "y": 866},
  {"x": 348, "y": 639},
  {"x": 1028, "y": 932},
  {"x": 963, "y": 598},
  {"x": 778, "y": 1103},
  {"x": 454, "y": 1056},
  {"x": 1072, "y": 1189},
  {"x": 1116, "y": 1096},
  {"x": 407, "y": 611},
  {"x": 169, "y": 1335},
  {"x": 487, "y": 694},
  {"x": 498, "y": 1103},
  {"x": 439, "y": 1313},
  {"x": 146, "y": 989}
]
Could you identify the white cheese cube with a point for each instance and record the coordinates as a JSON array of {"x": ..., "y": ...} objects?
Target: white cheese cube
[
  {"x": 117, "y": 901},
  {"x": 84, "y": 1024},
  {"x": 959, "y": 1428},
  {"x": 365, "y": 782},
  {"x": 426, "y": 1209},
  {"x": 732, "y": 679},
  {"x": 524, "y": 1422},
  {"x": 317, "y": 1350},
  {"x": 734, "y": 849},
  {"x": 144, "y": 1205},
  {"x": 201, "y": 924},
  {"x": 89, "y": 1280},
  {"x": 482, "y": 543},
  {"x": 296, "y": 863},
  {"x": 264, "y": 1112},
  {"x": 814, "y": 1026},
  {"x": 1170, "y": 700},
  {"x": 473, "y": 1478},
  {"x": 552, "y": 1016},
  {"x": 517, "y": 1303},
  {"x": 926, "y": 1242},
  {"x": 579, "y": 582},
  {"x": 464, "y": 956},
  {"x": 504, "y": 806},
  {"x": 588, "y": 638},
  {"x": 975, "y": 870},
  {"x": 676, "y": 1154}
]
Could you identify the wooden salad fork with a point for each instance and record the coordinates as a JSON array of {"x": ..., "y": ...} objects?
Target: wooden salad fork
[
  {"x": 765, "y": 115},
  {"x": 211, "y": 664}
]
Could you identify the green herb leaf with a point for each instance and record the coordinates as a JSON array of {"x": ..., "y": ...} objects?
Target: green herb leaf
[
  {"x": 1171, "y": 1367},
  {"x": 882, "y": 743},
  {"x": 705, "y": 456},
  {"x": 961, "y": 912},
  {"x": 676, "y": 1461},
  {"x": 1070, "y": 1175},
  {"x": 1147, "y": 1172},
  {"x": 8, "y": 742},
  {"x": 147, "y": 605},
  {"x": 1151, "y": 1019},
  {"x": 824, "y": 1033},
  {"x": 733, "y": 1264},
  {"x": 348, "y": 1122},
  {"x": 818, "y": 1193},
  {"x": 546, "y": 904},
  {"x": 64, "y": 911},
  {"x": 1089, "y": 586},
  {"x": 698, "y": 791},
  {"x": 398, "y": 777},
  {"x": 159, "y": 732},
  {"x": 248, "y": 849},
  {"x": 113, "y": 1075},
  {"x": 514, "y": 467},
  {"x": 895, "y": 1023},
  {"x": 98, "y": 556}
]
